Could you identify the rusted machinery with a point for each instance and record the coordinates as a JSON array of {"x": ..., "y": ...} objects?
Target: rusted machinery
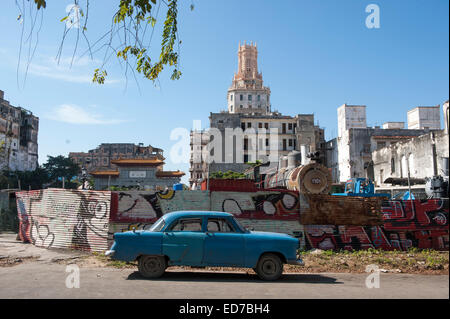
[{"x": 312, "y": 178}]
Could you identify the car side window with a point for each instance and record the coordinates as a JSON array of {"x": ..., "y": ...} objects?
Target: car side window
[
  {"x": 219, "y": 225},
  {"x": 187, "y": 224}
]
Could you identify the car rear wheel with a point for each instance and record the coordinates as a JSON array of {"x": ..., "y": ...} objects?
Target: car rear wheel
[
  {"x": 152, "y": 266},
  {"x": 269, "y": 267}
]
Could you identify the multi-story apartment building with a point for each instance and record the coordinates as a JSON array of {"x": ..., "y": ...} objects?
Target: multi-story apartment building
[
  {"x": 101, "y": 158},
  {"x": 267, "y": 135},
  {"x": 18, "y": 137}
]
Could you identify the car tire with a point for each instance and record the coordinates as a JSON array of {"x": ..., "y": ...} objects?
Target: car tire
[
  {"x": 269, "y": 267},
  {"x": 152, "y": 266}
]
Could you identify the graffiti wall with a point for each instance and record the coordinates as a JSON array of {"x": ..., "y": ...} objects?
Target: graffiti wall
[
  {"x": 406, "y": 224},
  {"x": 147, "y": 207},
  {"x": 265, "y": 210},
  {"x": 63, "y": 218},
  {"x": 269, "y": 205},
  {"x": 88, "y": 219}
]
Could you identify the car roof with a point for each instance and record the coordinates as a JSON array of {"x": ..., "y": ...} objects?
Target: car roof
[{"x": 187, "y": 213}]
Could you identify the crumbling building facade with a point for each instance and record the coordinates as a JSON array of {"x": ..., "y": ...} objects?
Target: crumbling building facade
[
  {"x": 18, "y": 137},
  {"x": 419, "y": 157},
  {"x": 353, "y": 148}
]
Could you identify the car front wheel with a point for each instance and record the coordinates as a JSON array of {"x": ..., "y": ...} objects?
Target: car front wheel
[
  {"x": 152, "y": 266},
  {"x": 269, "y": 267}
]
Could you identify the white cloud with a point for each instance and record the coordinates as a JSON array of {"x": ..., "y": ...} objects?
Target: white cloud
[
  {"x": 80, "y": 71},
  {"x": 74, "y": 114}
]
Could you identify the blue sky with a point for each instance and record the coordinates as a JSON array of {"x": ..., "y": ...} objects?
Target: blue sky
[{"x": 314, "y": 56}]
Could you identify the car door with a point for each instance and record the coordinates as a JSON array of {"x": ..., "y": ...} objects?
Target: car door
[
  {"x": 183, "y": 242},
  {"x": 224, "y": 244}
]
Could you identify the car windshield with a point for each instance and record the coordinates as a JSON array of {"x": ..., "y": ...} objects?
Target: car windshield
[
  {"x": 158, "y": 226},
  {"x": 242, "y": 228}
]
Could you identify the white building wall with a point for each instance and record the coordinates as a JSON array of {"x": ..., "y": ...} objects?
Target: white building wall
[
  {"x": 351, "y": 116},
  {"x": 423, "y": 117}
]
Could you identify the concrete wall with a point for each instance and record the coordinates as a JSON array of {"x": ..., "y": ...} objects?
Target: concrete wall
[
  {"x": 393, "y": 125},
  {"x": 351, "y": 116},
  {"x": 332, "y": 159}
]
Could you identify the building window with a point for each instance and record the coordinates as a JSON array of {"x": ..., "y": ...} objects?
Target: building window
[
  {"x": 381, "y": 145},
  {"x": 231, "y": 97},
  {"x": 366, "y": 148},
  {"x": 231, "y": 108},
  {"x": 267, "y": 142},
  {"x": 241, "y": 97},
  {"x": 243, "y": 126},
  {"x": 290, "y": 142},
  {"x": 392, "y": 165},
  {"x": 249, "y": 124},
  {"x": 259, "y": 98},
  {"x": 266, "y": 126},
  {"x": 240, "y": 106},
  {"x": 249, "y": 97},
  {"x": 260, "y": 125},
  {"x": 249, "y": 106},
  {"x": 284, "y": 144},
  {"x": 290, "y": 126}
]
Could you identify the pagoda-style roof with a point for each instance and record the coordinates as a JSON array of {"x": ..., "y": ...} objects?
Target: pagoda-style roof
[
  {"x": 105, "y": 173},
  {"x": 137, "y": 162},
  {"x": 169, "y": 173}
]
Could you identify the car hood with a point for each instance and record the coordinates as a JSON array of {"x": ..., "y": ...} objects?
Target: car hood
[{"x": 270, "y": 234}]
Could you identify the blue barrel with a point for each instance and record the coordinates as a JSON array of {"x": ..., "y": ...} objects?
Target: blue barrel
[{"x": 178, "y": 187}]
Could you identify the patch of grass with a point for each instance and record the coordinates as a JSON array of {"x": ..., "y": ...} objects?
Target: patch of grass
[{"x": 414, "y": 260}]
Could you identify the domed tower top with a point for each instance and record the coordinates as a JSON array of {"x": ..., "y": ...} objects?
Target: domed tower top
[{"x": 247, "y": 93}]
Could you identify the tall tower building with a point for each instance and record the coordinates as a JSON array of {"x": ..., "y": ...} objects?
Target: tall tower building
[{"x": 247, "y": 93}]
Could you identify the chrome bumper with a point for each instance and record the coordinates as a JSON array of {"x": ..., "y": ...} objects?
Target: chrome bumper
[
  {"x": 298, "y": 262},
  {"x": 109, "y": 253}
]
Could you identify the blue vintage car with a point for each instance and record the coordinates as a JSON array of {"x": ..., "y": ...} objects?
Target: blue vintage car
[{"x": 204, "y": 239}]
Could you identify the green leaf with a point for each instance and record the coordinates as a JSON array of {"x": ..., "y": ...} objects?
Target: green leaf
[{"x": 65, "y": 18}]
